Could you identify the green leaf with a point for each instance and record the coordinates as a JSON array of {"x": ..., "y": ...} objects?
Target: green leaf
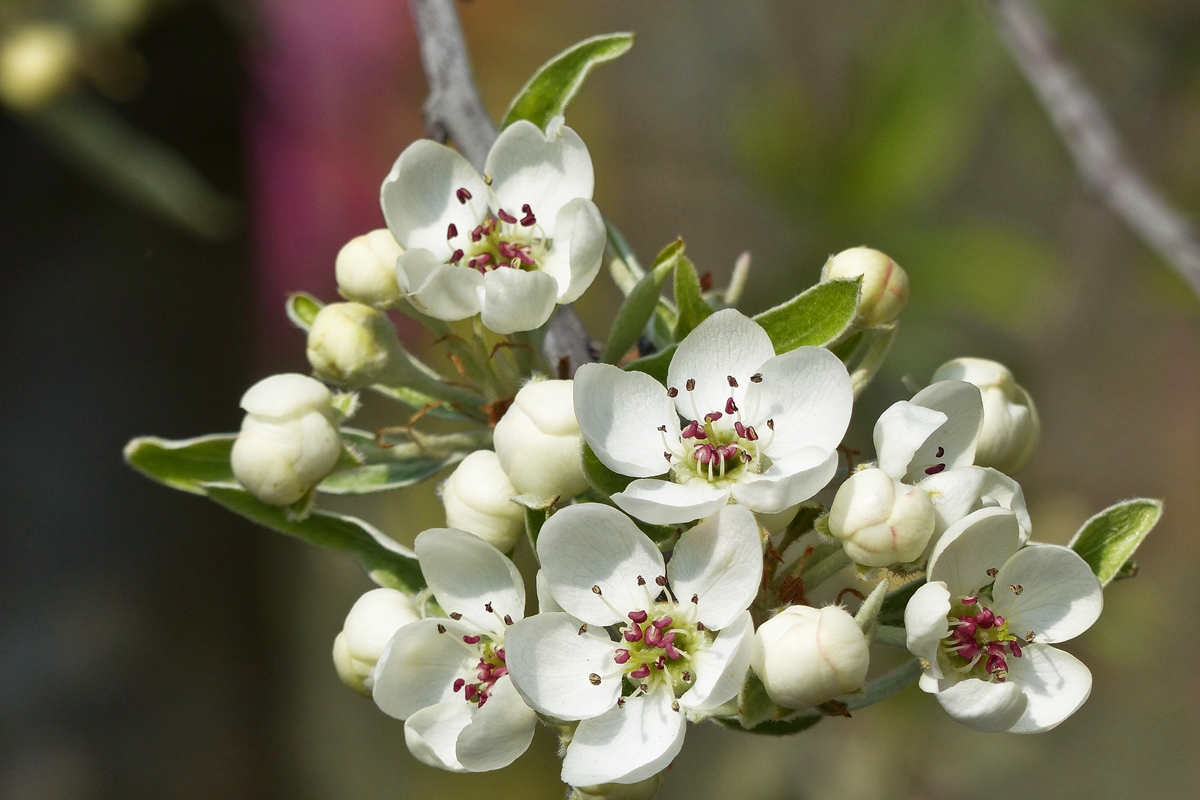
[
  {"x": 387, "y": 562},
  {"x": 302, "y": 309},
  {"x": 655, "y": 365},
  {"x": 815, "y": 317},
  {"x": 185, "y": 464},
  {"x": 692, "y": 310},
  {"x": 381, "y": 469},
  {"x": 602, "y": 479},
  {"x": 1109, "y": 539},
  {"x": 556, "y": 83},
  {"x": 638, "y": 307},
  {"x": 894, "y": 604}
]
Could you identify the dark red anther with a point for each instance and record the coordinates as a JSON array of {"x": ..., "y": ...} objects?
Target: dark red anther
[
  {"x": 505, "y": 216},
  {"x": 458, "y": 684},
  {"x": 941, "y": 451},
  {"x": 471, "y": 691},
  {"x": 970, "y": 601},
  {"x": 457, "y": 256},
  {"x": 638, "y": 616},
  {"x": 641, "y": 672},
  {"x": 463, "y": 196},
  {"x": 500, "y": 650},
  {"x": 694, "y": 431},
  {"x": 713, "y": 416},
  {"x": 751, "y": 434},
  {"x": 1015, "y": 649},
  {"x": 935, "y": 469},
  {"x": 672, "y": 392},
  {"x": 986, "y": 618},
  {"x": 633, "y": 634},
  {"x": 529, "y": 219},
  {"x": 691, "y": 384},
  {"x": 472, "y": 639},
  {"x": 662, "y": 622},
  {"x": 730, "y": 406},
  {"x": 622, "y": 656},
  {"x": 451, "y": 231},
  {"x": 478, "y": 233}
]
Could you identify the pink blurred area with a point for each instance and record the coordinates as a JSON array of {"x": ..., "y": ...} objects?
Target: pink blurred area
[{"x": 337, "y": 95}]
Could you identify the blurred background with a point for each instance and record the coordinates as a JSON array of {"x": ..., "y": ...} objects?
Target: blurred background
[{"x": 169, "y": 169}]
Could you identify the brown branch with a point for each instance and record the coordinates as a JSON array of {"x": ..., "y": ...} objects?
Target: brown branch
[{"x": 1099, "y": 156}]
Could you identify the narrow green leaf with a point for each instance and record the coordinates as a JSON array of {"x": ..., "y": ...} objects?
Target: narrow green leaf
[
  {"x": 185, "y": 464},
  {"x": 638, "y": 307},
  {"x": 381, "y": 469},
  {"x": 894, "y": 604},
  {"x": 535, "y": 518},
  {"x": 815, "y": 317},
  {"x": 655, "y": 365},
  {"x": 556, "y": 83},
  {"x": 623, "y": 265},
  {"x": 692, "y": 310},
  {"x": 1109, "y": 539},
  {"x": 387, "y": 562},
  {"x": 602, "y": 479},
  {"x": 302, "y": 308}
]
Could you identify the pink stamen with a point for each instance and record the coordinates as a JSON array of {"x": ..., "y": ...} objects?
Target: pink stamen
[
  {"x": 638, "y": 616},
  {"x": 622, "y": 656},
  {"x": 457, "y": 256},
  {"x": 472, "y": 639},
  {"x": 935, "y": 469},
  {"x": 458, "y": 684},
  {"x": 633, "y": 634},
  {"x": 641, "y": 672},
  {"x": 694, "y": 431},
  {"x": 751, "y": 434},
  {"x": 507, "y": 217},
  {"x": 463, "y": 196},
  {"x": 477, "y": 234},
  {"x": 713, "y": 416},
  {"x": 730, "y": 406}
]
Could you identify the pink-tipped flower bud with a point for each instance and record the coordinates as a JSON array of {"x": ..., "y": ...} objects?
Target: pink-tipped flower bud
[
  {"x": 478, "y": 499},
  {"x": 880, "y": 520},
  {"x": 884, "y": 283},
  {"x": 1011, "y": 428},
  {"x": 366, "y": 269},
  {"x": 539, "y": 443},
  {"x": 373, "y": 620},
  {"x": 806, "y": 656}
]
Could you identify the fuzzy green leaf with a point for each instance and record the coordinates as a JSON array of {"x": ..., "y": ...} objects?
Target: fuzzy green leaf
[
  {"x": 692, "y": 310},
  {"x": 602, "y": 479},
  {"x": 1109, "y": 539},
  {"x": 556, "y": 83},
  {"x": 815, "y": 317},
  {"x": 184, "y": 464},
  {"x": 655, "y": 365},
  {"x": 380, "y": 469},
  {"x": 302, "y": 309},
  {"x": 639, "y": 306}
]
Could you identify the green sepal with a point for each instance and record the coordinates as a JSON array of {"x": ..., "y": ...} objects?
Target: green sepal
[
  {"x": 641, "y": 303},
  {"x": 754, "y": 706},
  {"x": 387, "y": 563},
  {"x": 689, "y": 302},
  {"x": 892, "y": 611},
  {"x": 867, "y": 616},
  {"x": 602, "y": 479},
  {"x": 302, "y": 308},
  {"x": 537, "y": 511},
  {"x": 1108, "y": 540},
  {"x": 556, "y": 82},
  {"x": 381, "y": 469},
  {"x": 816, "y": 317},
  {"x": 655, "y": 365},
  {"x": 185, "y": 464}
]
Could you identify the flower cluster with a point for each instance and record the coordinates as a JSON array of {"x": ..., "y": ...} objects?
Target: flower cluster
[{"x": 687, "y": 498}]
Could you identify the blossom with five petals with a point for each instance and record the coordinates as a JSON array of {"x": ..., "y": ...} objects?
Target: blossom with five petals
[
  {"x": 987, "y": 650},
  {"x": 508, "y": 245},
  {"x": 682, "y": 643},
  {"x": 760, "y": 428}
]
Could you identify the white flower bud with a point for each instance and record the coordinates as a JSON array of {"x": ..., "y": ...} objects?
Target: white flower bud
[
  {"x": 642, "y": 790},
  {"x": 880, "y": 520},
  {"x": 373, "y": 620},
  {"x": 288, "y": 441},
  {"x": 36, "y": 62},
  {"x": 478, "y": 499},
  {"x": 884, "y": 286},
  {"x": 1011, "y": 427},
  {"x": 366, "y": 269},
  {"x": 776, "y": 523},
  {"x": 351, "y": 344},
  {"x": 806, "y": 656},
  {"x": 539, "y": 443}
]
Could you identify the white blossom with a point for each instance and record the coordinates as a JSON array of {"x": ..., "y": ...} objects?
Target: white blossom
[
  {"x": 683, "y": 640},
  {"x": 288, "y": 441},
  {"x": 884, "y": 283},
  {"x": 805, "y": 656},
  {"x": 880, "y": 520},
  {"x": 373, "y": 620},
  {"x": 1011, "y": 427},
  {"x": 447, "y": 678},
  {"x": 478, "y": 499},
  {"x": 761, "y": 429},
  {"x": 509, "y": 246},
  {"x": 539, "y": 443},
  {"x": 366, "y": 269},
  {"x": 987, "y": 650}
]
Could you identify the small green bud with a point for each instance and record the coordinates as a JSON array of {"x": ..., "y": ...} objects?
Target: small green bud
[{"x": 352, "y": 344}]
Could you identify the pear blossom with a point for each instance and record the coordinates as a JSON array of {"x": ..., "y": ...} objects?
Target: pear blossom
[
  {"x": 538, "y": 441},
  {"x": 805, "y": 656},
  {"x": 984, "y": 623},
  {"x": 478, "y": 499},
  {"x": 681, "y": 644},
  {"x": 759, "y": 428},
  {"x": 369, "y": 626},
  {"x": 508, "y": 245},
  {"x": 884, "y": 283},
  {"x": 447, "y": 678},
  {"x": 1011, "y": 427}
]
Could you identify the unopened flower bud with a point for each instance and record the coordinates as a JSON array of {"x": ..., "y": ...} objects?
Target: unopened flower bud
[
  {"x": 775, "y": 523},
  {"x": 36, "y": 62},
  {"x": 366, "y": 269},
  {"x": 642, "y": 790},
  {"x": 373, "y": 620},
  {"x": 880, "y": 520},
  {"x": 884, "y": 283},
  {"x": 539, "y": 443},
  {"x": 806, "y": 656},
  {"x": 288, "y": 441},
  {"x": 1011, "y": 427},
  {"x": 478, "y": 499},
  {"x": 351, "y": 344}
]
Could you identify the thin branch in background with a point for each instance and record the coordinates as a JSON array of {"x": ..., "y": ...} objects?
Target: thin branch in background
[{"x": 1093, "y": 143}]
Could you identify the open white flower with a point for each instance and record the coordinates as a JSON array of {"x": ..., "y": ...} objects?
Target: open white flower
[
  {"x": 761, "y": 428},
  {"x": 509, "y": 246},
  {"x": 447, "y": 678},
  {"x": 684, "y": 644},
  {"x": 990, "y": 663}
]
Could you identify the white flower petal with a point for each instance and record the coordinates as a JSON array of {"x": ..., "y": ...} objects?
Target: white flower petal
[
  {"x": 787, "y": 482},
  {"x": 420, "y": 200},
  {"x": 543, "y": 170},
  {"x": 432, "y": 733},
  {"x": 957, "y": 492},
  {"x": 720, "y": 563},
  {"x": 981, "y": 705},
  {"x": 550, "y": 662},
  {"x": 981, "y": 541},
  {"x": 955, "y": 439},
  {"x": 720, "y": 670},
  {"x": 728, "y": 343},
  {"x": 1055, "y": 683},
  {"x": 925, "y": 620},
  {"x": 665, "y": 503},
  {"x": 466, "y": 574},
  {"x": 443, "y": 291},
  {"x": 593, "y": 545},
  {"x": 900, "y": 432},
  {"x": 807, "y": 393},
  {"x": 500, "y": 730},
  {"x": 574, "y": 258},
  {"x": 619, "y": 415},
  {"x": 627, "y": 744},
  {"x": 515, "y": 300},
  {"x": 418, "y": 668},
  {"x": 1060, "y": 597}
]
